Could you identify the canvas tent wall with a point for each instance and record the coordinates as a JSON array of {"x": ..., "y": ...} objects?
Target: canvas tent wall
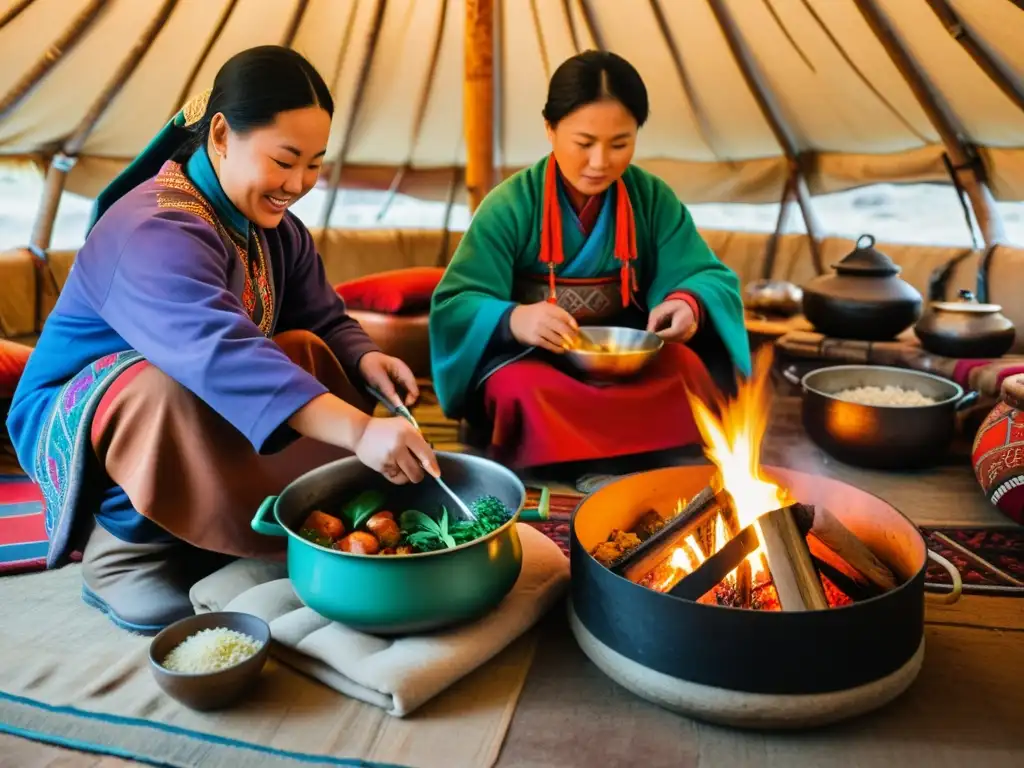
[{"x": 750, "y": 98}]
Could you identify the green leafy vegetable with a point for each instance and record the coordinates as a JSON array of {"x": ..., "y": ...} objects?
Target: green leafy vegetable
[
  {"x": 425, "y": 534},
  {"x": 362, "y": 508}
]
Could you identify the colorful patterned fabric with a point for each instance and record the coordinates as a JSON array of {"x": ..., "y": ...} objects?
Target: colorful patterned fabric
[
  {"x": 23, "y": 541},
  {"x": 998, "y": 458},
  {"x": 64, "y": 447}
]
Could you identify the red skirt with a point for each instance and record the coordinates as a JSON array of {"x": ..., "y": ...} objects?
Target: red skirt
[{"x": 540, "y": 415}]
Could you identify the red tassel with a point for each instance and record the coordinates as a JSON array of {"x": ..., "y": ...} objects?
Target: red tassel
[{"x": 551, "y": 233}]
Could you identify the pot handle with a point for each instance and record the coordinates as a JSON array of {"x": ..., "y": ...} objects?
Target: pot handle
[
  {"x": 946, "y": 598},
  {"x": 789, "y": 374},
  {"x": 261, "y": 523},
  {"x": 966, "y": 401}
]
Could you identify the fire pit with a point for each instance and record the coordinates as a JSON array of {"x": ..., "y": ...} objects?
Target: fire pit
[{"x": 747, "y": 595}]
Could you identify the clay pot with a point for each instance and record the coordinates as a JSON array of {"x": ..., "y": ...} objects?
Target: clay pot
[
  {"x": 998, "y": 452},
  {"x": 865, "y": 299},
  {"x": 965, "y": 328}
]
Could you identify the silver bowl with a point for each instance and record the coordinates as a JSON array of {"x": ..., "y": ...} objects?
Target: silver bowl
[{"x": 611, "y": 353}]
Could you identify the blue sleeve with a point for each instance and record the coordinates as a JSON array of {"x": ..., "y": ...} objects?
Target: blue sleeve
[{"x": 167, "y": 297}]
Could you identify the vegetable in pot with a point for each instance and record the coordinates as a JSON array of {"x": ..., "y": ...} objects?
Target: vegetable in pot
[
  {"x": 425, "y": 534},
  {"x": 361, "y": 508},
  {"x": 359, "y": 543},
  {"x": 321, "y": 528},
  {"x": 383, "y": 526}
]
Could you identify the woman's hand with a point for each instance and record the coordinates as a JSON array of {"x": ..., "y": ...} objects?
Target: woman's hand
[
  {"x": 673, "y": 320},
  {"x": 544, "y": 325},
  {"x": 393, "y": 447},
  {"x": 384, "y": 372}
]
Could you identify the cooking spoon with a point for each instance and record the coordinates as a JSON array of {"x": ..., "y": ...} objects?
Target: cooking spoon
[{"x": 398, "y": 409}]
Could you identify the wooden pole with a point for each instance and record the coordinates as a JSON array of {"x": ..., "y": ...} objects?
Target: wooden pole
[
  {"x": 355, "y": 105},
  {"x": 966, "y": 164},
  {"x": 186, "y": 89},
  {"x": 294, "y": 24},
  {"x": 773, "y": 115},
  {"x": 14, "y": 12},
  {"x": 478, "y": 99},
  {"x": 997, "y": 72},
  {"x": 62, "y": 163},
  {"x": 421, "y": 110},
  {"x": 53, "y": 55}
]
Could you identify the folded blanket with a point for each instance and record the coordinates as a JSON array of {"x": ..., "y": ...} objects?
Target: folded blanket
[{"x": 396, "y": 674}]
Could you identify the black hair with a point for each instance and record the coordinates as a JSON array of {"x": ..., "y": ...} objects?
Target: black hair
[
  {"x": 594, "y": 76},
  {"x": 253, "y": 86}
]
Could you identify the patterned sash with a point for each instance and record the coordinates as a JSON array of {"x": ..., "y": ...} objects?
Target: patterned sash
[{"x": 65, "y": 444}]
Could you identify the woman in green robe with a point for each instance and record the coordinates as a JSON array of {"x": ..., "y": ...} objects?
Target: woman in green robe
[{"x": 583, "y": 237}]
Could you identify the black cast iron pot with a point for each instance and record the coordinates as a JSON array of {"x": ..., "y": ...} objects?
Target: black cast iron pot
[
  {"x": 864, "y": 299},
  {"x": 748, "y": 651},
  {"x": 893, "y": 437}
]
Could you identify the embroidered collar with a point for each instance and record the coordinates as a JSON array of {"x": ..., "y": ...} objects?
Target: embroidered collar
[{"x": 200, "y": 171}]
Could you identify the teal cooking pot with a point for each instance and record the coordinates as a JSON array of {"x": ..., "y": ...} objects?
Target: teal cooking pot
[{"x": 399, "y": 594}]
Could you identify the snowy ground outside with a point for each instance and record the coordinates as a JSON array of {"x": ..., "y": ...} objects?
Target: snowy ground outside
[{"x": 921, "y": 213}]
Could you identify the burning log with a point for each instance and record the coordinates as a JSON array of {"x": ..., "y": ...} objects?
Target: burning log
[
  {"x": 789, "y": 560},
  {"x": 833, "y": 543},
  {"x": 744, "y": 575},
  {"x": 638, "y": 562},
  {"x": 710, "y": 573}
]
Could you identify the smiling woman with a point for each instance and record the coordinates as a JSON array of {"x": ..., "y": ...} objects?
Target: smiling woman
[{"x": 198, "y": 360}]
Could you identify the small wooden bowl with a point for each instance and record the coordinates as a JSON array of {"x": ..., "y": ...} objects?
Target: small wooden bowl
[{"x": 209, "y": 690}]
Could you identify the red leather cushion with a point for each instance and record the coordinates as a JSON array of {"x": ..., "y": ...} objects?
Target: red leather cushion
[
  {"x": 13, "y": 357},
  {"x": 397, "y": 291}
]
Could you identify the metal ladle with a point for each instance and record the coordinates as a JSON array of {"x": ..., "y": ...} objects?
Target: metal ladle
[{"x": 400, "y": 410}]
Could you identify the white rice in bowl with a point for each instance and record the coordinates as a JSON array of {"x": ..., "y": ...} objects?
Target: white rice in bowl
[
  {"x": 211, "y": 650},
  {"x": 889, "y": 395}
]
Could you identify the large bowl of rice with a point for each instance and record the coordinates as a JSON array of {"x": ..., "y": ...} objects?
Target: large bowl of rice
[
  {"x": 881, "y": 417},
  {"x": 207, "y": 661}
]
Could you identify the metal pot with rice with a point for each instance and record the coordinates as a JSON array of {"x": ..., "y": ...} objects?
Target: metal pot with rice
[{"x": 880, "y": 417}]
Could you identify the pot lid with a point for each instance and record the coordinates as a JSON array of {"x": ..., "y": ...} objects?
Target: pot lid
[
  {"x": 865, "y": 261},
  {"x": 967, "y": 304}
]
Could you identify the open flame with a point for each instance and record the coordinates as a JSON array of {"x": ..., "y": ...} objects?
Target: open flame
[{"x": 733, "y": 431}]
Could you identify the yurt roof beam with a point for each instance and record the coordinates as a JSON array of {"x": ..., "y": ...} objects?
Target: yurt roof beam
[
  {"x": 357, "y": 100},
  {"x": 64, "y": 160},
  {"x": 14, "y": 11},
  {"x": 588, "y": 18},
  {"x": 773, "y": 115},
  {"x": 421, "y": 110},
  {"x": 295, "y": 23},
  {"x": 703, "y": 127},
  {"x": 190, "y": 81},
  {"x": 997, "y": 72},
  {"x": 478, "y": 99},
  {"x": 71, "y": 35},
  {"x": 966, "y": 164}
]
